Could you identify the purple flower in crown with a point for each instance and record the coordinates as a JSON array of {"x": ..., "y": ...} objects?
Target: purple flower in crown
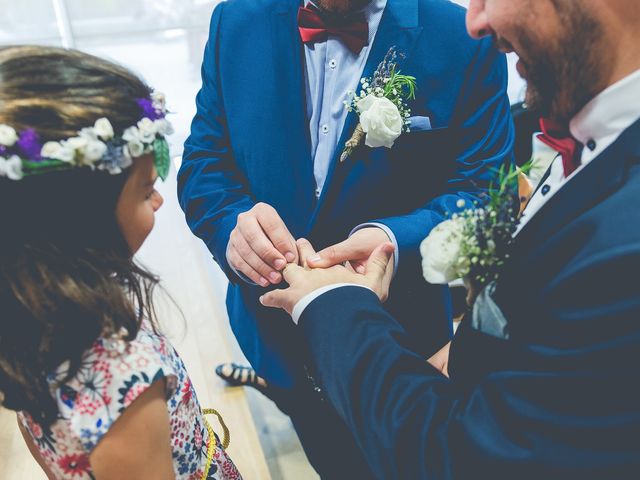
[
  {"x": 150, "y": 110},
  {"x": 29, "y": 143},
  {"x": 3, "y": 149}
]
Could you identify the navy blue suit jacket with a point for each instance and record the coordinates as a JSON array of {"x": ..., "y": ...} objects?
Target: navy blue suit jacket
[
  {"x": 552, "y": 394},
  {"x": 250, "y": 143}
]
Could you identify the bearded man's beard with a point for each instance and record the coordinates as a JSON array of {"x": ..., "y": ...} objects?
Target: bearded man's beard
[{"x": 564, "y": 76}]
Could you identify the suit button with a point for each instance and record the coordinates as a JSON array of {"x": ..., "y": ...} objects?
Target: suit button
[{"x": 545, "y": 189}]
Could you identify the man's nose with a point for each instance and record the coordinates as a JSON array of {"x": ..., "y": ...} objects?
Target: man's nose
[{"x": 477, "y": 21}]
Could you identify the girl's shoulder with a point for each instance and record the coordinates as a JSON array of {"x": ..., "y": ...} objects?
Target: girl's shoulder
[{"x": 112, "y": 375}]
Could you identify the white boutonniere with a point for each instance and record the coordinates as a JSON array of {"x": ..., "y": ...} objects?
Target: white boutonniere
[
  {"x": 474, "y": 243},
  {"x": 381, "y": 106}
]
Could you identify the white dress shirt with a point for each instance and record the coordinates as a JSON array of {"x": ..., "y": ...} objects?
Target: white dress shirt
[
  {"x": 332, "y": 71},
  {"x": 597, "y": 126}
]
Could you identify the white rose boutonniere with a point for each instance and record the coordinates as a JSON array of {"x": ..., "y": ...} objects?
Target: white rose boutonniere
[
  {"x": 380, "y": 120},
  {"x": 474, "y": 243},
  {"x": 381, "y": 106},
  {"x": 442, "y": 261}
]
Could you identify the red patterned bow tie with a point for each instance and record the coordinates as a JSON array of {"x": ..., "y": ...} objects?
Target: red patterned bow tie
[
  {"x": 561, "y": 140},
  {"x": 313, "y": 28}
]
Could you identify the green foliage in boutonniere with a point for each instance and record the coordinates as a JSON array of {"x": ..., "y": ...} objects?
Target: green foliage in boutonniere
[
  {"x": 474, "y": 243},
  {"x": 381, "y": 106}
]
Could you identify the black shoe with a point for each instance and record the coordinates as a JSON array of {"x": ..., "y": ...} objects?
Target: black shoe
[{"x": 241, "y": 376}]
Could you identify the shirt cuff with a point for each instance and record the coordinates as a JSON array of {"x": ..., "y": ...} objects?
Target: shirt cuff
[
  {"x": 305, "y": 301},
  {"x": 392, "y": 237},
  {"x": 240, "y": 275}
]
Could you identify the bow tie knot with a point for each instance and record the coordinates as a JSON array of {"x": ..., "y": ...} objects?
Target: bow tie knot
[
  {"x": 354, "y": 32},
  {"x": 561, "y": 140}
]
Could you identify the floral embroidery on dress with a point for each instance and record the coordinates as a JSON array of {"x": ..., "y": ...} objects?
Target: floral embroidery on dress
[{"x": 106, "y": 384}]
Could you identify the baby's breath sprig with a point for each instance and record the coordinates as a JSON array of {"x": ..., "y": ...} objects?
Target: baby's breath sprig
[{"x": 474, "y": 242}]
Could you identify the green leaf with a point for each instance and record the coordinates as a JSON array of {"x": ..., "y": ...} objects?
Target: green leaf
[{"x": 162, "y": 157}]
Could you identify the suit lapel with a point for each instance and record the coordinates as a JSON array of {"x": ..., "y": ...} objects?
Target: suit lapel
[
  {"x": 288, "y": 54},
  {"x": 600, "y": 178},
  {"x": 398, "y": 28}
]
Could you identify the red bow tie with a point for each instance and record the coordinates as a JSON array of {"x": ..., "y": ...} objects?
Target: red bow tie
[
  {"x": 313, "y": 28},
  {"x": 561, "y": 140}
]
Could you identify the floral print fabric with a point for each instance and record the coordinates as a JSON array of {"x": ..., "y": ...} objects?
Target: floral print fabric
[{"x": 110, "y": 380}]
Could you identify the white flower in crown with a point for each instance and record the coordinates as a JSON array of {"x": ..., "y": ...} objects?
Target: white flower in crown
[
  {"x": 8, "y": 136},
  {"x": 11, "y": 167},
  {"x": 134, "y": 147},
  {"x": 147, "y": 130},
  {"x": 103, "y": 129},
  {"x": 381, "y": 121},
  {"x": 57, "y": 151},
  {"x": 164, "y": 127},
  {"x": 93, "y": 151},
  {"x": 159, "y": 101}
]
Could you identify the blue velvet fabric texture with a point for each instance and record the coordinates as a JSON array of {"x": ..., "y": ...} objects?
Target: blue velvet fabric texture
[{"x": 250, "y": 143}]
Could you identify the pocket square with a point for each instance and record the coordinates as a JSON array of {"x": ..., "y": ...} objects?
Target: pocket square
[{"x": 419, "y": 124}]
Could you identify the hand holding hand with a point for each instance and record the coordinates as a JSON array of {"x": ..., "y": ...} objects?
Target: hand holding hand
[
  {"x": 356, "y": 250},
  {"x": 304, "y": 281},
  {"x": 260, "y": 245}
]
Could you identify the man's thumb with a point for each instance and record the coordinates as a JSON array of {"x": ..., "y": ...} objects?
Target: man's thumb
[{"x": 379, "y": 261}]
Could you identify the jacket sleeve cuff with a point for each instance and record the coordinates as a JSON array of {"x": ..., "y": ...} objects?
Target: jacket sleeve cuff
[{"x": 305, "y": 301}]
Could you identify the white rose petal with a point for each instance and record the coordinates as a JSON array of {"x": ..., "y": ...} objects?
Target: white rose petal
[
  {"x": 381, "y": 121},
  {"x": 103, "y": 129},
  {"x": 441, "y": 252},
  {"x": 8, "y": 136}
]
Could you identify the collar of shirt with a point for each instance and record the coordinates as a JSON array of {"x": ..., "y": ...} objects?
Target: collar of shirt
[
  {"x": 606, "y": 116},
  {"x": 371, "y": 10},
  {"x": 597, "y": 126}
]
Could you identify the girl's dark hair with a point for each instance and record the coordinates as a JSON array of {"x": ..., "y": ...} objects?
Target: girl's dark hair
[{"x": 67, "y": 276}]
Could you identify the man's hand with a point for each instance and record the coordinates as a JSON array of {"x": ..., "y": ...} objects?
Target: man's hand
[
  {"x": 440, "y": 361},
  {"x": 304, "y": 281},
  {"x": 354, "y": 251},
  {"x": 261, "y": 246}
]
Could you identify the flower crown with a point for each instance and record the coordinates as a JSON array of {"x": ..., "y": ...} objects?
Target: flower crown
[{"x": 97, "y": 147}]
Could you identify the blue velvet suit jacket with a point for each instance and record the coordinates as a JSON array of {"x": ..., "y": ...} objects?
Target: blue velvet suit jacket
[
  {"x": 250, "y": 143},
  {"x": 552, "y": 394}
]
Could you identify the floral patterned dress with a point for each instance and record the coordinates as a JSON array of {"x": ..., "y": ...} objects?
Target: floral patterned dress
[{"x": 109, "y": 380}]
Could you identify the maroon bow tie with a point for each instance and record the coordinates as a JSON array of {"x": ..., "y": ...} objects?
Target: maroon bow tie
[
  {"x": 313, "y": 28},
  {"x": 562, "y": 141}
]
